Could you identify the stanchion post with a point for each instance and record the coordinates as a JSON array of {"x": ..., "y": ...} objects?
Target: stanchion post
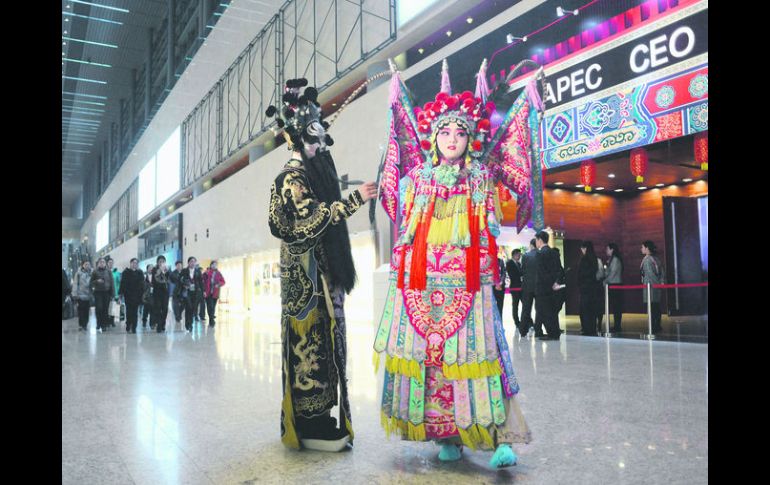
[
  {"x": 649, "y": 335},
  {"x": 607, "y": 308}
]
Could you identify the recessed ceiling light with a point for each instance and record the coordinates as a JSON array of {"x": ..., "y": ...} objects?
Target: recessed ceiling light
[
  {"x": 449, "y": 33},
  {"x": 579, "y": 186},
  {"x": 642, "y": 188},
  {"x": 558, "y": 183},
  {"x": 618, "y": 190},
  {"x": 659, "y": 185},
  {"x": 469, "y": 20},
  {"x": 612, "y": 175},
  {"x": 599, "y": 188},
  {"x": 686, "y": 180},
  {"x": 420, "y": 50}
]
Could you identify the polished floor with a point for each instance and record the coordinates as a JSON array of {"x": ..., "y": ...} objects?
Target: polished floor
[{"x": 203, "y": 408}]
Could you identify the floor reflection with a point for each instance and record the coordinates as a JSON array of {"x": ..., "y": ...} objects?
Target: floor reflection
[{"x": 204, "y": 408}]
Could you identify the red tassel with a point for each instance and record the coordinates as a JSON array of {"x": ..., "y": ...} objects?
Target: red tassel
[
  {"x": 417, "y": 272},
  {"x": 472, "y": 282},
  {"x": 401, "y": 265},
  {"x": 493, "y": 254}
]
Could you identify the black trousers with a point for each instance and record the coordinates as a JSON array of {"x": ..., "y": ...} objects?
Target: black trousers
[
  {"x": 190, "y": 310},
  {"x": 616, "y": 307},
  {"x": 103, "y": 318},
  {"x": 84, "y": 310},
  {"x": 160, "y": 309},
  {"x": 146, "y": 310},
  {"x": 656, "y": 316},
  {"x": 546, "y": 309},
  {"x": 588, "y": 306},
  {"x": 527, "y": 300},
  {"x": 202, "y": 307},
  {"x": 132, "y": 315},
  {"x": 500, "y": 298},
  {"x": 516, "y": 297},
  {"x": 211, "y": 307},
  {"x": 177, "y": 304}
]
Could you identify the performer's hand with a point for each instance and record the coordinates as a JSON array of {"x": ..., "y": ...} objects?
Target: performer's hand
[{"x": 368, "y": 191}]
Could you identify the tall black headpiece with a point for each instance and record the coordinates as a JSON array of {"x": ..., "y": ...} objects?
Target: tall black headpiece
[{"x": 301, "y": 116}]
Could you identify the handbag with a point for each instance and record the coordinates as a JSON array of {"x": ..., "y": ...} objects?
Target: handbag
[
  {"x": 68, "y": 311},
  {"x": 114, "y": 309}
]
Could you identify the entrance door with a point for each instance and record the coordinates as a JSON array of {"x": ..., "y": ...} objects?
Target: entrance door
[
  {"x": 572, "y": 256},
  {"x": 684, "y": 231}
]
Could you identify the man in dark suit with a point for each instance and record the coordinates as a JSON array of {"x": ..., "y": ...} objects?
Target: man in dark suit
[
  {"x": 499, "y": 290},
  {"x": 513, "y": 268},
  {"x": 548, "y": 272},
  {"x": 528, "y": 280}
]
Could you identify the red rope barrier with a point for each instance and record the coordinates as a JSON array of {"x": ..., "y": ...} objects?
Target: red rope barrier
[
  {"x": 641, "y": 287},
  {"x": 638, "y": 287}
]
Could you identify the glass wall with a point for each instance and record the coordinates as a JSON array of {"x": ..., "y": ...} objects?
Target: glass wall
[
  {"x": 103, "y": 231},
  {"x": 167, "y": 172}
]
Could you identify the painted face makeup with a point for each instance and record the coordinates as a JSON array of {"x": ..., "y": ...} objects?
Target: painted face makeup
[{"x": 452, "y": 140}]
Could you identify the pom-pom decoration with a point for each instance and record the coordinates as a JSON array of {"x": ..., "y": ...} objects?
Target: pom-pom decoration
[
  {"x": 476, "y": 145},
  {"x": 425, "y": 145}
]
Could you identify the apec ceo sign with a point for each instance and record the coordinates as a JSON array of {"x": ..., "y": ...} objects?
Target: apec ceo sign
[{"x": 630, "y": 57}]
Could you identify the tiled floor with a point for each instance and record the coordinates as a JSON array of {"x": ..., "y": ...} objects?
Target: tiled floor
[{"x": 204, "y": 408}]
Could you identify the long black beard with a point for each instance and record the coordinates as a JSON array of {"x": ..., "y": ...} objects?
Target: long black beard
[{"x": 322, "y": 177}]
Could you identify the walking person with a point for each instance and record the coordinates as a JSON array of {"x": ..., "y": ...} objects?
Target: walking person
[
  {"x": 147, "y": 300},
  {"x": 513, "y": 269},
  {"x": 83, "y": 294},
  {"x": 614, "y": 276},
  {"x": 132, "y": 290},
  {"x": 212, "y": 282},
  {"x": 499, "y": 289},
  {"x": 652, "y": 272},
  {"x": 548, "y": 272},
  {"x": 175, "y": 290},
  {"x": 201, "y": 304},
  {"x": 102, "y": 286},
  {"x": 192, "y": 284},
  {"x": 528, "y": 284},
  {"x": 66, "y": 287},
  {"x": 114, "y": 295},
  {"x": 589, "y": 287},
  {"x": 160, "y": 294}
]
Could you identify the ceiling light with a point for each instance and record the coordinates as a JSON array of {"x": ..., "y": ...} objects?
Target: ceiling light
[
  {"x": 102, "y": 6},
  {"x": 510, "y": 38},
  {"x": 612, "y": 175},
  {"x": 91, "y": 18},
  {"x": 420, "y": 50},
  {"x": 659, "y": 185},
  {"x": 86, "y": 95},
  {"x": 599, "y": 188},
  {"x": 686, "y": 180},
  {"x": 559, "y": 183},
  {"x": 449, "y": 33},
  {"x": 469, "y": 20},
  {"x": 84, "y": 79},
  {"x": 90, "y": 42},
  {"x": 86, "y": 62},
  {"x": 561, "y": 12},
  {"x": 579, "y": 186},
  {"x": 618, "y": 190},
  {"x": 642, "y": 188}
]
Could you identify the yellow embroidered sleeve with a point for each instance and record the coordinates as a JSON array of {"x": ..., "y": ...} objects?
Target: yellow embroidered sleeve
[{"x": 296, "y": 215}]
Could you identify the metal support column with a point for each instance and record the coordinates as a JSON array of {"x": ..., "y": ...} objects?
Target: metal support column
[
  {"x": 170, "y": 44},
  {"x": 148, "y": 78},
  {"x": 607, "y": 309},
  {"x": 203, "y": 15},
  {"x": 132, "y": 108},
  {"x": 649, "y": 335}
]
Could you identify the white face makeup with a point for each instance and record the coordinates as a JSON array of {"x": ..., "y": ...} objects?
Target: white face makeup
[
  {"x": 452, "y": 141},
  {"x": 315, "y": 129}
]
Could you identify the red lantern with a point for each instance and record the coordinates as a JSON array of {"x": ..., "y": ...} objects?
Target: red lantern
[
  {"x": 639, "y": 163},
  {"x": 587, "y": 174},
  {"x": 702, "y": 149}
]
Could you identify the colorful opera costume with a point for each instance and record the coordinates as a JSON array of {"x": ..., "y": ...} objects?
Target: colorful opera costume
[{"x": 448, "y": 372}]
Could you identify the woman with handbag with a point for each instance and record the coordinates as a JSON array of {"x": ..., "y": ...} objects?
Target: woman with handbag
[
  {"x": 587, "y": 285},
  {"x": 102, "y": 286},
  {"x": 160, "y": 295},
  {"x": 147, "y": 296},
  {"x": 652, "y": 272},
  {"x": 614, "y": 276},
  {"x": 83, "y": 294}
]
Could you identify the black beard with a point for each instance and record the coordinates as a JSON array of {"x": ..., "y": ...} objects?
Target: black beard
[{"x": 323, "y": 181}]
